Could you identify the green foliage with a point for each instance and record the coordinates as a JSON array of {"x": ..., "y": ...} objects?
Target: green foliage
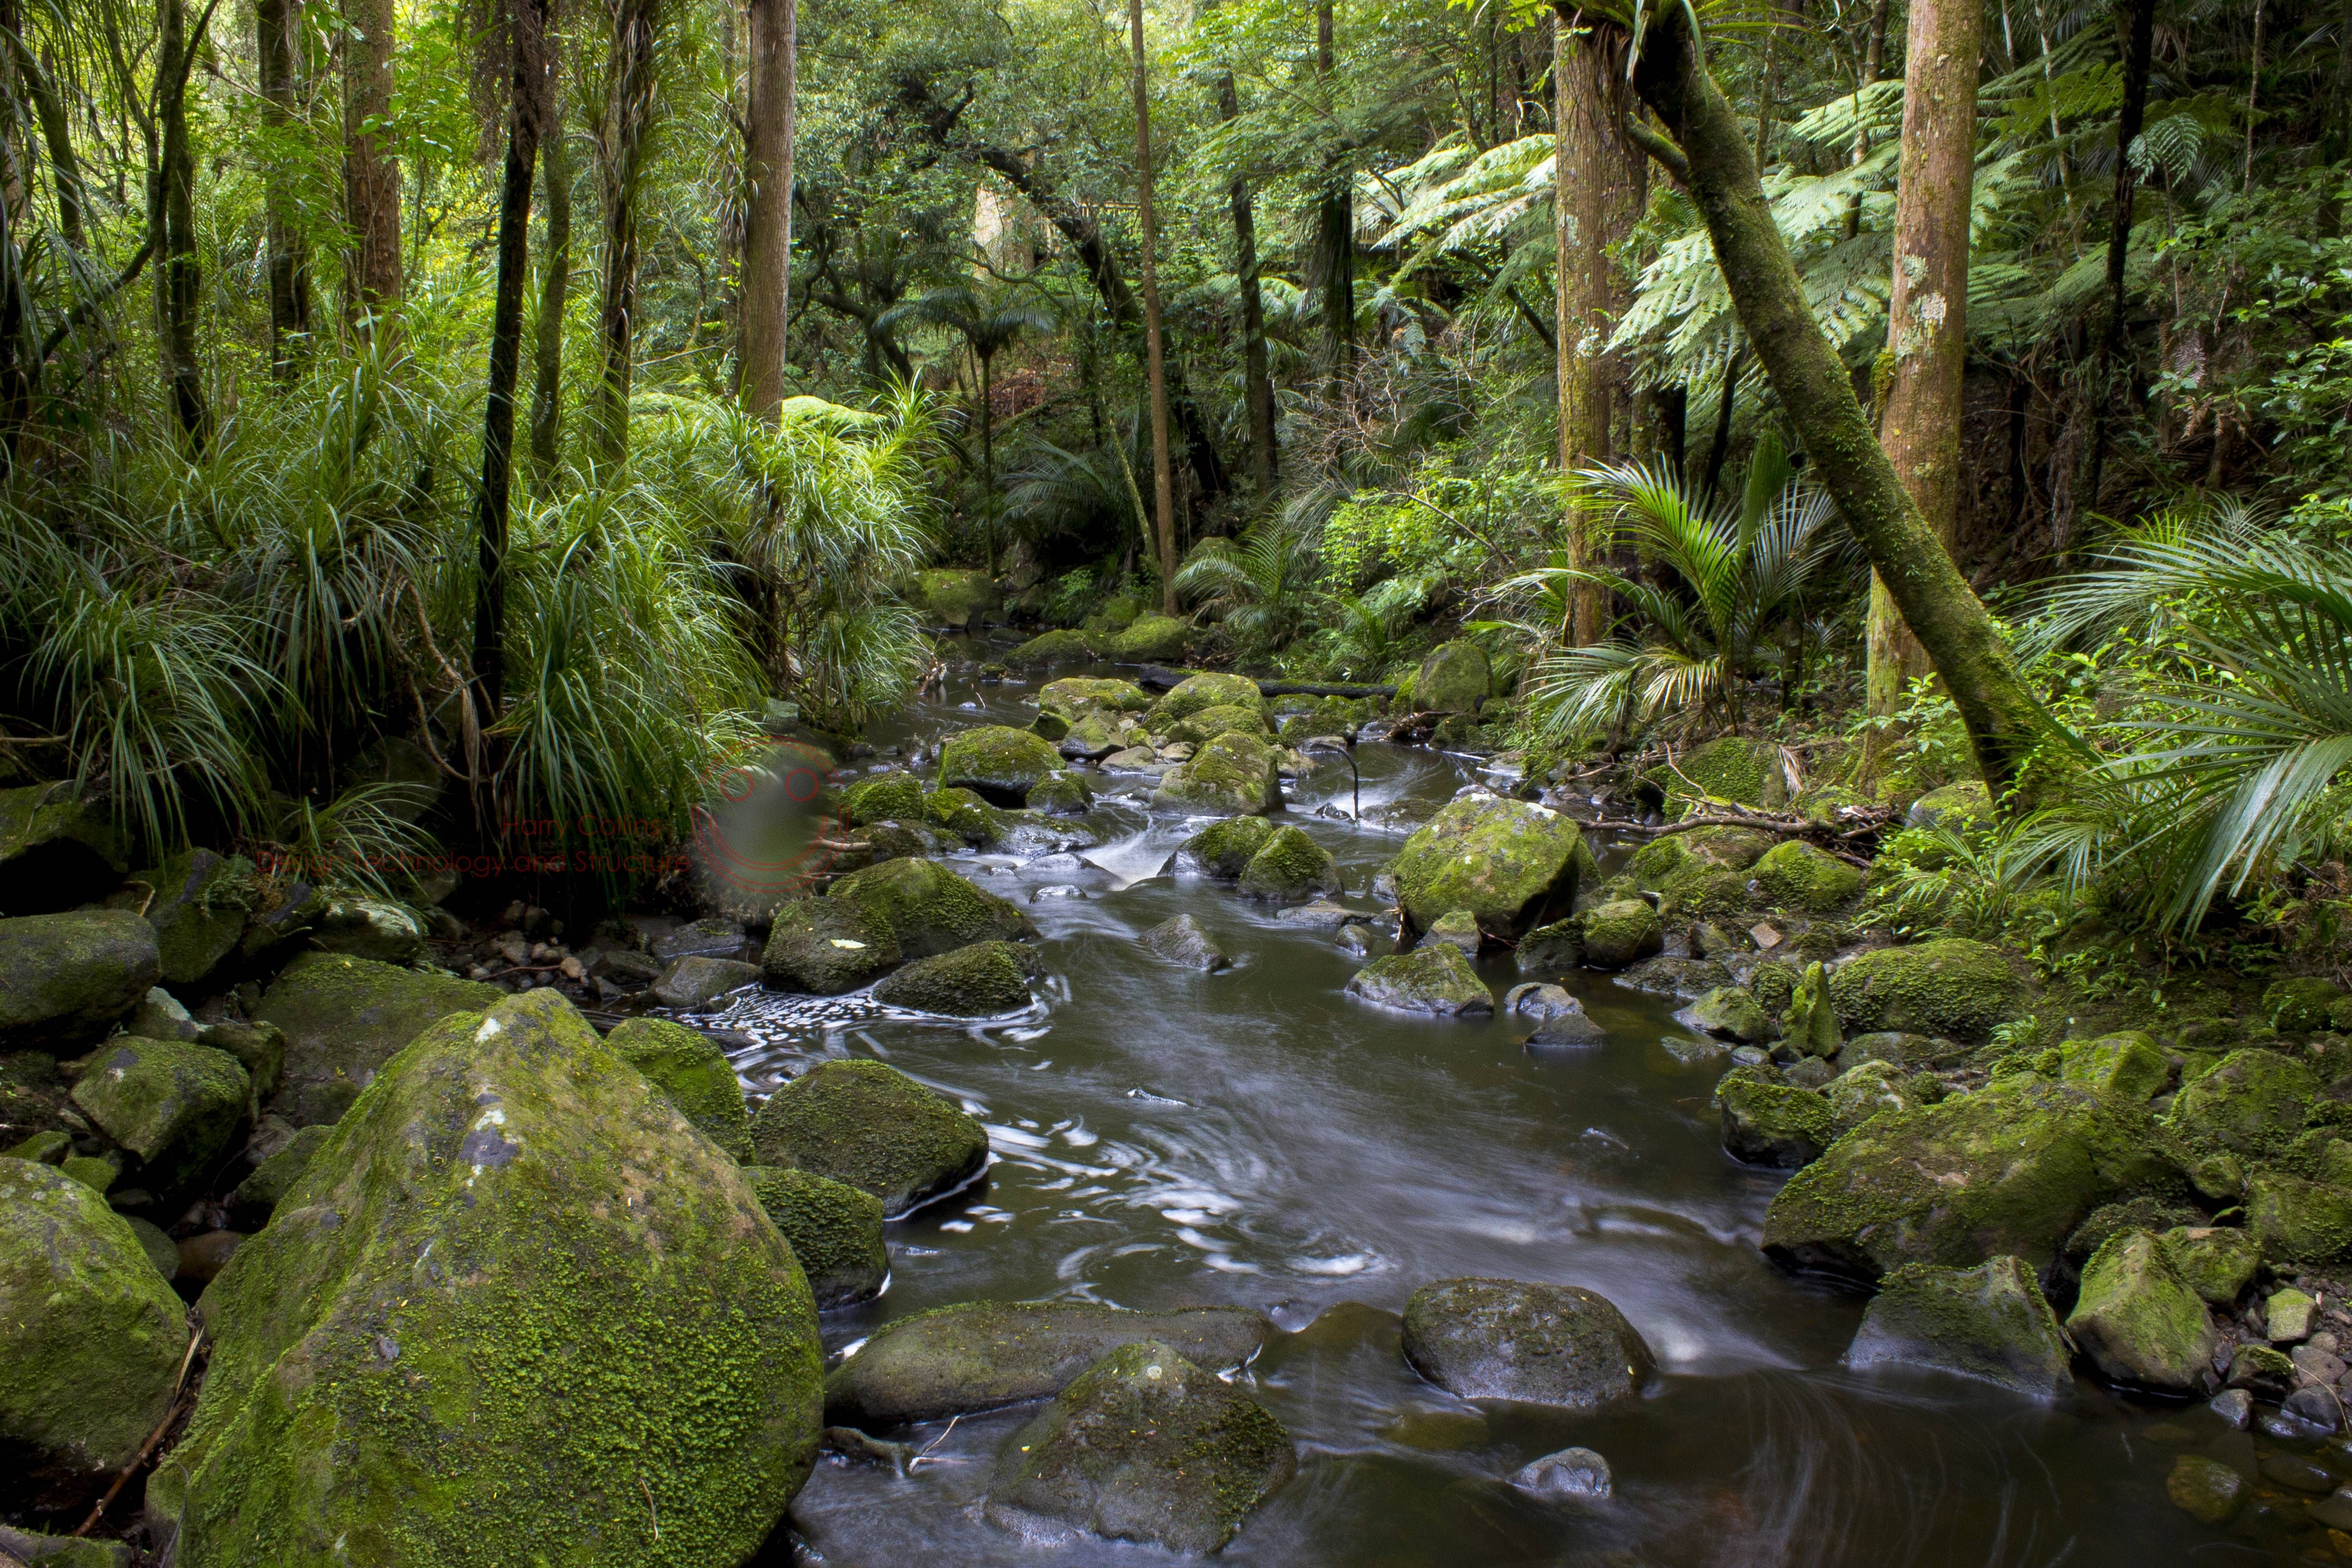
[{"x": 1262, "y": 585}]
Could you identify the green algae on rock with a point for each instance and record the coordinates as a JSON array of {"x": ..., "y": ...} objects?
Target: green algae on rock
[
  {"x": 2215, "y": 1261},
  {"x": 1152, "y": 639},
  {"x": 2127, "y": 1066},
  {"x": 1062, "y": 794},
  {"x": 2255, "y": 1102},
  {"x": 2294, "y": 1221},
  {"x": 996, "y": 761},
  {"x": 177, "y": 1106},
  {"x": 2139, "y": 1322},
  {"x": 1730, "y": 1014},
  {"x": 828, "y": 947},
  {"x": 984, "y": 1355},
  {"x": 1198, "y": 694},
  {"x": 1731, "y": 768},
  {"x": 1952, "y": 986},
  {"x": 977, "y": 980},
  {"x": 1622, "y": 934},
  {"x": 65, "y": 977},
  {"x": 519, "y": 1298},
  {"x": 1990, "y": 1323},
  {"x": 1432, "y": 978},
  {"x": 1796, "y": 876},
  {"x": 1226, "y": 719},
  {"x": 344, "y": 1018},
  {"x": 257, "y": 1196},
  {"x": 1770, "y": 1123},
  {"x": 835, "y": 1232},
  {"x": 1506, "y": 1339},
  {"x": 1512, "y": 864},
  {"x": 1454, "y": 677},
  {"x": 692, "y": 1073},
  {"x": 1222, "y": 849},
  {"x": 198, "y": 910},
  {"x": 928, "y": 909},
  {"x": 1063, "y": 644},
  {"x": 893, "y": 796},
  {"x": 1143, "y": 1445},
  {"x": 873, "y": 1127},
  {"x": 1290, "y": 868},
  {"x": 1810, "y": 1022},
  {"x": 1234, "y": 774}
]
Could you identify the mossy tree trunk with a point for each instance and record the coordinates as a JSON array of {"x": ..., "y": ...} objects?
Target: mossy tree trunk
[
  {"x": 763, "y": 306},
  {"x": 621, "y": 138},
  {"x": 373, "y": 280},
  {"x": 554, "y": 288},
  {"x": 276, "y": 28},
  {"x": 1163, "y": 484},
  {"x": 1257, "y": 381}
]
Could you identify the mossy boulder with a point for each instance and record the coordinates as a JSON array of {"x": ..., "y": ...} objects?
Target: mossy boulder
[
  {"x": 1554, "y": 948},
  {"x": 957, "y": 597},
  {"x": 2256, "y": 1103},
  {"x": 1198, "y": 693},
  {"x": 2218, "y": 1262},
  {"x": 1954, "y": 987},
  {"x": 2140, "y": 1322},
  {"x": 1507, "y": 1339},
  {"x": 2009, "y": 1168},
  {"x": 834, "y": 1230},
  {"x": 1663, "y": 863},
  {"x": 980, "y": 980},
  {"x": 90, "y": 1333},
  {"x": 1808, "y": 1022},
  {"x": 1235, "y": 774},
  {"x": 1143, "y": 1445},
  {"x": 199, "y": 909},
  {"x": 1872, "y": 1088},
  {"x": 699, "y": 984},
  {"x": 370, "y": 928},
  {"x": 1210, "y": 722},
  {"x": 65, "y": 977},
  {"x": 1512, "y": 864},
  {"x": 1088, "y": 739},
  {"x": 997, "y": 762},
  {"x": 1766, "y": 1122},
  {"x": 893, "y": 796},
  {"x": 177, "y": 1106},
  {"x": 1622, "y": 934},
  {"x": 344, "y": 1018},
  {"x": 1991, "y": 1323},
  {"x": 2294, "y": 1221},
  {"x": 1077, "y": 697},
  {"x": 828, "y": 947},
  {"x": 1432, "y": 978},
  {"x": 692, "y": 1073},
  {"x": 1794, "y": 875},
  {"x": 1180, "y": 941},
  {"x": 928, "y": 909},
  {"x": 963, "y": 815},
  {"x": 1456, "y": 929},
  {"x": 58, "y": 847},
  {"x": 873, "y": 1127},
  {"x": 1290, "y": 868},
  {"x": 515, "y": 1289},
  {"x": 1064, "y": 645},
  {"x": 257, "y": 1196},
  {"x": 1152, "y": 639},
  {"x": 2127, "y": 1066},
  {"x": 1062, "y": 794},
  {"x": 1339, "y": 717},
  {"x": 1454, "y": 677},
  {"x": 984, "y": 1355},
  {"x": 1953, "y": 805},
  {"x": 2300, "y": 1003},
  {"x": 1222, "y": 849},
  {"x": 1729, "y": 1013},
  {"x": 1731, "y": 768}
]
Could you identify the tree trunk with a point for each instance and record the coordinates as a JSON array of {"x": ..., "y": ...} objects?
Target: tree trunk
[
  {"x": 988, "y": 451},
  {"x": 1332, "y": 268},
  {"x": 2139, "y": 40},
  {"x": 554, "y": 289},
  {"x": 764, "y": 309},
  {"x": 180, "y": 281},
  {"x": 371, "y": 173},
  {"x": 525, "y": 115},
  {"x": 64, "y": 170},
  {"x": 1715, "y": 161},
  {"x": 1163, "y": 483},
  {"x": 628, "y": 108},
  {"x": 1257, "y": 381},
  {"x": 275, "y": 24},
  {"x": 1927, "y": 339}
]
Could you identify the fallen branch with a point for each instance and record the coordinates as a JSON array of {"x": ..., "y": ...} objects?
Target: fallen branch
[
  {"x": 1159, "y": 677},
  {"x": 171, "y": 1413}
]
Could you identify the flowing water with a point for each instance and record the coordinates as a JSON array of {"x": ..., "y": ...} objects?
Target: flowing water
[{"x": 1164, "y": 1138}]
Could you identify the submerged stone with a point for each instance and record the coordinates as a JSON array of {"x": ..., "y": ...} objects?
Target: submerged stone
[
  {"x": 1505, "y": 1339},
  {"x": 1432, "y": 978},
  {"x": 2207, "y": 1490},
  {"x": 1181, "y": 941},
  {"x": 692, "y": 1073},
  {"x": 873, "y": 1127},
  {"x": 1990, "y": 1323},
  {"x": 1571, "y": 1475}
]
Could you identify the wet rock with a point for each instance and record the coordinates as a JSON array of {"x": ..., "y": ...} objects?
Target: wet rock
[
  {"x": 1990, "y": 1323},
  {"x": 1795, "y": 875},
  {"x": 1769, "y": 1123},
  {"x": 1321, "y": 915},
  {"x": 1234, "y": 774},
  {"x": 1874, "y": 1087},
  {"x": 1953, "y": 986},
  {"x": 930, "y": 910},
  {"x": 1809, "y": 1022},
  {"x": 257, "y": 1196},
  {"x": 1556, "y": 949},
  {"x": 370, "y": 928},
  {"x": 1432, "y": 978},
  {"x": 997, "y": 762},
  {"x": 1198, "y": 694},
  {"x": 2298, "y": 1222},
  {"x": 342, "y": 1019},
  {"x": 2300, "y": 1003},
  {"x": 514, "y": 1149},
  {"x": 2217, "y": 1263},
  {"x": 873, "y": 1127},
  {"x": 963, "y": 817},
  {"x": 835, "y": 1232},
  {"x": 1355, "y": 940},
  {"x": 1063, "y": 644},
  {"x": 58, "y": 849},
  {"x": 893, "y": 796},
  {"x": 828, "y": 947},
  {"x": 1621, "y": 933},
  {"x": 2255, "y": 1102},
  {"x": 1454, "y": 677},
  {"x": 1226, "y": 719},
  {"x": 198, "y": 911},
  {"x": 1458, "y": 930},
  {"x": 699, "y": 984},
  {"x": 1181, "y": 941},
  {"x": 2009, "y": 1168},
  {"x": 1727, "y": 1013},
  {"x": 2233, "y": 1405},
  {"x": 2260, "y": 1371},
  {"x": 1222, "y": 849},
  {"x": 708, "y": 938},
  {"x": 1075, "y": 698},
  {"x": 1512, "y": 865},
  {"x": 2208, "y": 1490},
  {"x": 1571, "y": 1475},
  {"x": 2288, "y": 1314},
  {"x": 692, "y": 1073},
  {"x": 1062, "y": 794},
  {"x": 2309, "y": 1413},
  {"x": 1290, "y": 868},
  {"x": 177, "y": 1106},
  {"x": 65, "y": 977},
  {"x": 202, "y": 1258},
  {"x": 1541, "y": 1003},
  {"x": 89, "y": 1332},
  {"x": 984, "y": 1355},
  {"x": 1689, "y": 978},
  {"x": 979, "y": 980},
  {"x": 1505, "y": 1339},
  {"x": 2139, "y": 1323},
  {"x": 1143, "y": 1445}
]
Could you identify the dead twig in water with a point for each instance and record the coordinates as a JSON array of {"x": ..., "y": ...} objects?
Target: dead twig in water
[{"x": 934, "y": 1443}]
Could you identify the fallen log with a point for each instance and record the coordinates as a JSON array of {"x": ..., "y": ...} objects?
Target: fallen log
[{"x": 1159, "y": 677}]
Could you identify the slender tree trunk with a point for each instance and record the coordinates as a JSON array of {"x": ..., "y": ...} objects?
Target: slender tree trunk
[
  {"x": 1164, "y": 482},
  {"x": 2138, "y": 26},
  {"x": 64, "y": 170},
  {"x": 1726, "y": 403},
  {"x": 1257, "y": 381},
  {"x": 525, "y": 116},
  {"x": 1873, "y": 61},
  {"x": 178, "y": 284},
  {"x": 1927, "y": 339},
  {"x": 1334, "y": 260},
  {"x": 765, "y": 307},
  {"x": 988, "y": 451},
  {"x": 554, "y": 289},
  {"x": 275, "y": 46},
  {"x": 628, "y": 108},
  {"x": 1715, "y": 162},
  {"x": 370, "y": 172}
]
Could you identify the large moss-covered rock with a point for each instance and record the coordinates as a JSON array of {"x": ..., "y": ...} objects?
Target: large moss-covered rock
[
  {"x": 2255, "y": 1102},
  {"x": 1796, "y": 876},
  {"x": 893, "y": 796},
  {"x": 828, "y": 947},
  {"x": 1198, "y": 694},
  {"x": 984, "y": 1355},
  {"x": 65, "y": 977},
  {"x": 1063, "y": 644},
  {"x": 1152, "y": 639},
  {"x": 58, "y": 849},
  {"x": 176, "y": 1105},
  {"x": 514, "y": 1291},
  {"x": 2300, "y": 1003},
  {"x": 699, "y": 984},
  {"x": 370, "y": 928},
  {"x": 1290, "y": 868},
  {"x": 1456, "y": 678},
  {"x": 1432, "y": 978},
  {"x": 1669, "y": 864},
  {"x": 1062, "y": 794},
  {"x": 692, "y": 1073},
  {"x": 2217, "y": 1262},
  {"x": 1512, "y": 864},
  {"x": 873, "y": 1127},
  {"x": 1144, "y": 1445},
  {"x": 835, "y": 1232},
  {"x": 1622, "y": 934},
  {"x": 1990, "y": 1323},
  {"x": 996, "y": 761},
  {"x": 2139, "y": 1322},
  {"x": 1229, "y": 719},
  {"x": 90, "y": 1335},
  {"x": 1224, "y": 849},
  {"x": 2011, "y": 1168},
  {"x": 1954, "y": 987},
  {"x": 344, "y": 1018},
  {"x": 1233, "y": 776},
  {"x": 956, "y": 597},
  {"x": 2298, "y": 1222},
  {"x": 1732, "y": 768},
  {"x": 257, "y": 1196},
  {"x": 1770, "y": 1123},
  {"x": 1869, "y": 1088},
  {"x": 1507, "y": 1339},
  {"x": 1810, "y": 1022},
  {"x": 962, "y": 814},
  {"x": 1076, "y": 697},
  {"x": 930, "y": 908},
  {"x": 1729, "y": 1013},
  {"x": 978, "y": 981},
  {"x": 199, "y": 908}
]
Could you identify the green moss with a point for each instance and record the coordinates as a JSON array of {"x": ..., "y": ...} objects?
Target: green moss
[
  {"x": 835, "y": 1232},
  {"x": 956, "y": 597},
  {"x": 930, "y": 908},
  {"x": 98, "y": 1175},
  {"x": 1458, "y": 930},
  {"x": 2300, "y": 1003},
  {"x": 344, "y": 1018},
  {"x": 1510, "y": 863},
  {"x": 1432, "y": 978},
  {"x": 1234, "y": 774},
  {"x": 1507, "y": 1338},
  {"x": 64, "y": 978},
  {"x": 1991, "y": 1323},
  {"x": 894, "y": 796},
  {"x": 1769, "y": 1123},
  {"x": 1953, "y": 987},
  {"x": 1796, "y": 876},
  {"x": 1063, "y": 646},
  {"x": 1456, "y": 678},
  {"x": 2298, "y": 1222},
  {"x": 2216, "y": 1262},
  {"x": 977, "y": 980},
  {"x": 996, "y": 761},
  {"x": 1810, "y": 1020},
  {"x": 2254, "y": 1102},
  {"x": 1621, "y": 933},
  {"x": 1198, "y": 694},
  {"x": 1952, "y": 806},
  {"x": 177, "y": 1106},
  {"x": 1224, "y": 849},
  {"x": 1075, "y": 698},
  {"x": 1290, "y": 868},
  {"x": 260, "y": 1194},
  {"x": 692, "y": 1073},
  {"x": 828, "y": 947},
  {"x": 1211, "y": 723},
  {"x": 1152, "y": 639},
  {"x": 2206, "y": 1489},
  {"x": 1062, "y": 794},
  {"x": 525, "y": 1308},
  {"x": 1330, "y": 716},
  {"x": 1729, "y": 1012},
  {"x": 1554, "y": 950},
  {"x": 2139, "y": 1323},
  {"x": 1873, "y": 1088},
  {"x": 1731, "y": 768},
  {"x": 198, "y": 910},
  {"x": 2127, "y": 1064},
  {"x": 873, "y": 1127},
  {"x": 964, "y": 814}
]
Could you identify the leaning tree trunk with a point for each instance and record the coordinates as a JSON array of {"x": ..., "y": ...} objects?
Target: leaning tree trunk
[
  {"x": 178, "y": 285},
  {"x": 1163, "y": 481},
  {"x": 1713, "y": 159},
  {"x": 554, "y": 288},
  {"x": 275, "y": 47},
  {"x": 1257, "y": 380},
  {"x": 763, "y": 309},
  {"x": 620, "y": 164},
  {"x": 1926, "y": 334},
  {"x": 371, "y": 173}
]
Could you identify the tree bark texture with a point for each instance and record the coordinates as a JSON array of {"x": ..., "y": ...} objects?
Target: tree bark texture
[
  {"x": 1257, "y": 380},
  {"x": 1164, "y": 482},
  {"x": 554, "y": 289},
  {"x": 180, "y": 282},
  {"x": 764, "y": 307},
  {"x": 1331, "y": 268},
  {"x": 370, "y": 172},
  {"x": 2136, "y": 20},
  {"x": 277, "y": 49},
  {"x": 621, "y": 134}
]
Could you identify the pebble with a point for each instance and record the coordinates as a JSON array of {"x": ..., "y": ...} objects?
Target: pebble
[
  {"x": 2206, "y": 1489},
  {"x": 2234, "y": 1405},
  {"x": 2288, "y": 1313},
  {"x": 2334, "y": 1510},
  {"x": 1575, "y": 1474},
  {"x": 2298, "y": 1474}
]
